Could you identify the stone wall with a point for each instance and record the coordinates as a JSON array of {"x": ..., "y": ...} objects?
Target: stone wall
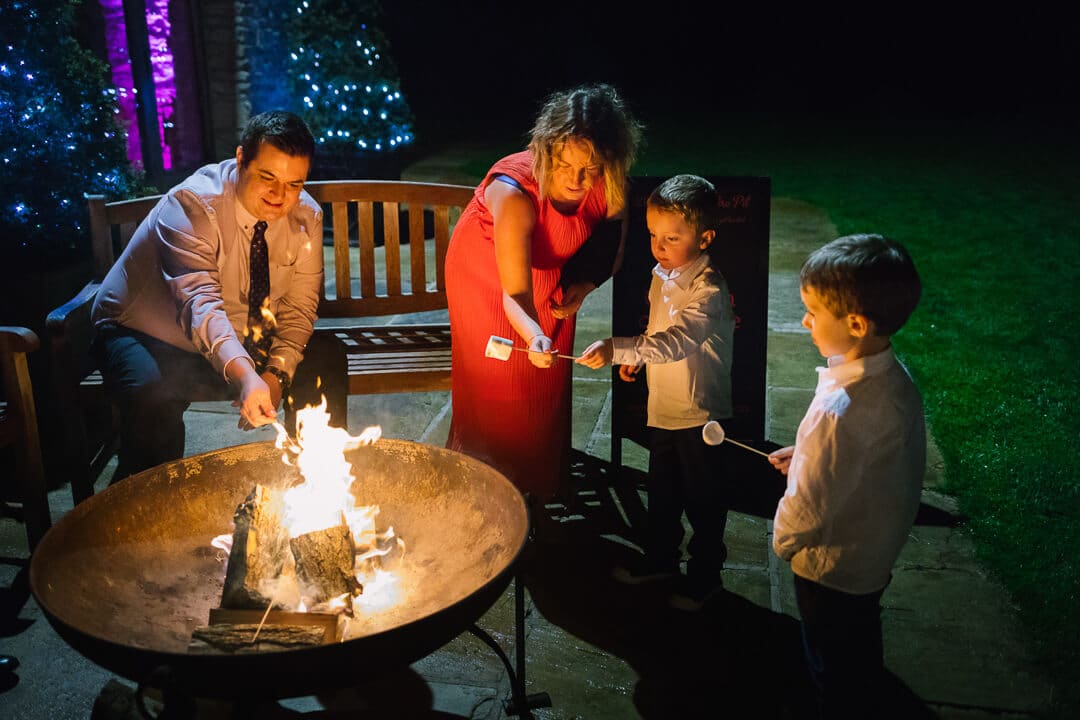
[
  {"x": 262, "y": 54},
  {"x": 245, "y": 56},
  {"x": 216, "y": 29}
]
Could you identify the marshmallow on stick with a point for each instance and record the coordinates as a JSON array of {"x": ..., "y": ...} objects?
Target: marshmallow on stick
[
  {"x": 713, "y": 434},
  {"x": 501, "y": 348}
]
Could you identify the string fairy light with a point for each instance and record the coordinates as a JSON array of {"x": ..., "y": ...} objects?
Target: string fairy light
[
  {"x": 58, "y": 128},
  {"x": 331, "y": 74}
]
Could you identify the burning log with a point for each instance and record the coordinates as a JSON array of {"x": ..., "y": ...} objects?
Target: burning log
[
  {"x": 267, "y": 567},
  {"x": 247, "y": 631},
  {"x": 260, "y": 555},
  {"x": 230, "y": 639},
  {"x": 325, "y": 563}
]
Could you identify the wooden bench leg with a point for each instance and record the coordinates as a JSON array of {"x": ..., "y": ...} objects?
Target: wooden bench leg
[{"x": 35, "y": 496}]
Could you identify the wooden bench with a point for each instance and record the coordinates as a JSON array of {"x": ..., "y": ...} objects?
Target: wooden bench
[
  {"x": 19, "y": 429},
  {"x": 386, "y": 266}
]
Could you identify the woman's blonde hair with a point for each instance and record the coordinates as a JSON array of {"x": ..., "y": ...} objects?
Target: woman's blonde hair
[{"x": 595, "y": 114}]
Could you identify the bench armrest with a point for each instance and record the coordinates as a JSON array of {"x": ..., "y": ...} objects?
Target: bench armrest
[
  {"x": 18, "y": 339},
  {"x": 76, "y": 310},
  {"x": 70, "y": 333}
]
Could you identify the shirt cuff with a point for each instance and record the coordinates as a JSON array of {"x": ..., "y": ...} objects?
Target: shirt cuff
[
  {"x": 229, "y": 350},
  {"x": 284, "y": 358},
  {"x": 623, "y": 352}
]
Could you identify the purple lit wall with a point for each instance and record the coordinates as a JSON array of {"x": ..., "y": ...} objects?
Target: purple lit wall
[
  {"x": 116, "y": 46},
  {"x": 161, "y": 60}
]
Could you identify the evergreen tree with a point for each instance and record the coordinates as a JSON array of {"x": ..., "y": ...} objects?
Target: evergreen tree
[
  {"x": 59, "y": 137},
  {"x": 344, "y": 83}
]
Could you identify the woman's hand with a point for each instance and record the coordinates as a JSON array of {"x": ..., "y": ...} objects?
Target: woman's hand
[
  {"x": 597, "y": 355},
  {"x": 781, "y": 459},
  {"x": 572, "y": 298},
  {"x": 541, "y": 353},
  {"x": 628, "y": 373}
]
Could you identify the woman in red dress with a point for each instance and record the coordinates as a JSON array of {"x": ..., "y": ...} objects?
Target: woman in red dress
[{"x": 530, "y": 214}]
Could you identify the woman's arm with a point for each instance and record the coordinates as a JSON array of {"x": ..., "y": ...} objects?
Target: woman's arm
[
  {"x": 596, "y": 261},
  {"x": 514, "y": 218}
]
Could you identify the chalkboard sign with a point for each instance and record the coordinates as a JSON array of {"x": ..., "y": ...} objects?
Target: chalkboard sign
[{"x": 741, "y": 253}]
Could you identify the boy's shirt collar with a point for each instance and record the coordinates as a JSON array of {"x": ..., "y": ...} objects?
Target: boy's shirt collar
[
  {"x": 845, "y": 373},
  {"x": 683, "y": 274}
]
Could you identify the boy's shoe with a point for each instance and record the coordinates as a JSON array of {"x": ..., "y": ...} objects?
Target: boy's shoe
[
  {"x": 644, "y": 570},
  {"x": 693, "y": 592}
]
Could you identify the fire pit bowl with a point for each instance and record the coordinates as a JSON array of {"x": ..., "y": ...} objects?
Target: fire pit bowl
[{"x": 127, "y": 575}]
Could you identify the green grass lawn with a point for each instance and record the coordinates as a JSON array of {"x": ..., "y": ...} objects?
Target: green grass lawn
[{"x": 990, "y": 214}]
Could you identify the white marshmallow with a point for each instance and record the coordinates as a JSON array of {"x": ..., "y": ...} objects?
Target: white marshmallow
[
  {"x": 499, "y": 348},
  {"x": 712, "y": 433}
]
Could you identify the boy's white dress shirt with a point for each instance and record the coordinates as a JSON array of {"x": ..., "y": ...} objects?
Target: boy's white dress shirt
[
  {"x": 686, "y": 348},
  {"x": 854, "y": 482}
]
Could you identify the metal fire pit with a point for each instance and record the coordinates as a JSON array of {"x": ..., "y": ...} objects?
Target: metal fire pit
[{"x": 128, "y": 574}]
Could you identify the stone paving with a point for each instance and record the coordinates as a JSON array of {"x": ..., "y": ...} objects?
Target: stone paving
[{"x": 602, "y": 651}]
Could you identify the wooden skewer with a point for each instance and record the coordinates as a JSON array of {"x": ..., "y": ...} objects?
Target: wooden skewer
[
  {"x": 262, "y": 622},
  {"x": 525, "y": 350},
  {"x": 713, "y": 429},
  {"x": 747, "y": 447}
]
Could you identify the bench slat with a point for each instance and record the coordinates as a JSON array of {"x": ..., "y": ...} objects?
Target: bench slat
[
  {"x": 417, "y": 256},
  {"x": 442, "y": 244},
  {"x": 391, "y": 248},
  {"x": 342, "y": 270},
  {"x": 365, "y": 220}
]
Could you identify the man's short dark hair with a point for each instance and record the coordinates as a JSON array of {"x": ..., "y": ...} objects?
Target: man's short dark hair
[
  {"x": 691, "y": 196},
  {"x": 865, "y": 274},
  {"x": 282, "y": 129}
]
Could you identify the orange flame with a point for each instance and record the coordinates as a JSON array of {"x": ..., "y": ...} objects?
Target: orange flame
[{"x": 318, "y": 450}]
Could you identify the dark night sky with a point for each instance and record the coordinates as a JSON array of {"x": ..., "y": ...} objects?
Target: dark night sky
[{"x": 485, "y": 64}]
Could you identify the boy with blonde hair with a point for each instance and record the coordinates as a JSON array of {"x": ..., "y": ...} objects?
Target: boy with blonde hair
[{"x": 855, "y": 473}]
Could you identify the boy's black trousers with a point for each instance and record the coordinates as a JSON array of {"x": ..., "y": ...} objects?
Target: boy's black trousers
[
  {"x": 685, "y": 474},
  {"x": 843, "y": 648}
]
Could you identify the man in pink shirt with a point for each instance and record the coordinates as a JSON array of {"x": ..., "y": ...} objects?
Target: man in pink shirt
[{"x": 216, "y": 296}]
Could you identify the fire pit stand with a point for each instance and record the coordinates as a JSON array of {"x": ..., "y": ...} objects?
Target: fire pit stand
[{"x": 519, "y": 703}]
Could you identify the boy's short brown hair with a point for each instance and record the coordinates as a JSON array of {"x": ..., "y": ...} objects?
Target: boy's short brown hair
[
  {"x": 691, "y": 196},
  {"x": 865, "y": 274}
]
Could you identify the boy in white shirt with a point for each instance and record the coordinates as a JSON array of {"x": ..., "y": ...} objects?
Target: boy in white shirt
[
  {"x": 687, "y": 352},
  {"x": 855, "y": 473}
]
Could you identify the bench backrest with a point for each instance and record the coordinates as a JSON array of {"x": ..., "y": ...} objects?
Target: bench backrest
[
  {"x": 371, "y": 225},
  {"x": 111, "y": 226},
  {"x": 369, "y": 218}
]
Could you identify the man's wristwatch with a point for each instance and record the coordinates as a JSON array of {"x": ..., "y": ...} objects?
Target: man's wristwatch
[{"x": 283, "y": 379}]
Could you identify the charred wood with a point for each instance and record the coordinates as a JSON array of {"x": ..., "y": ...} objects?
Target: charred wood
[
  {"x": 242, "y": 638},
  {"x": 325, "y": 563},
  {"x": 260, "y": 554}
]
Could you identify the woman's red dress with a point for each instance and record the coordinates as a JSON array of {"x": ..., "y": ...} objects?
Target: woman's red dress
[{"x": 511, "y": 414}]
